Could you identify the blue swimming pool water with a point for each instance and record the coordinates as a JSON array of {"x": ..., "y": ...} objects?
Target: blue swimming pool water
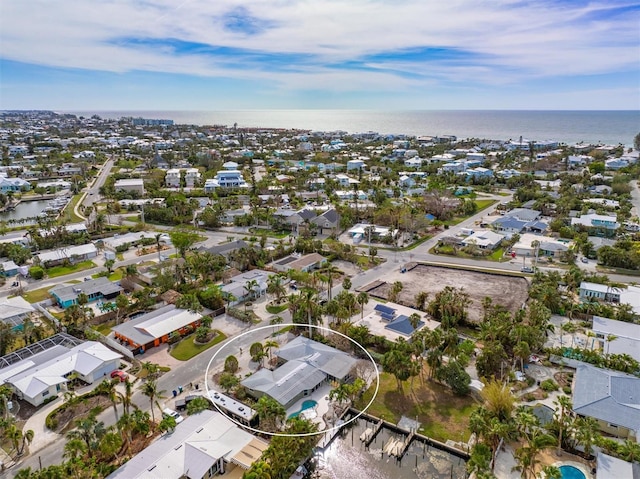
[
  {"x": 308, "y": 404},
  {"x": 570, "y": 472}
]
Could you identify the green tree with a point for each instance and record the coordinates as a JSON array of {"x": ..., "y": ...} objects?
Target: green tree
[
  {"x": 197, "y": 405},
  {"x": 168, "y": 424},
  {"x": 150, "y": 389},
  {"x": 231, "y": 364},
  {"x": 270, "y": 412},
  {"x": 228, "y": 381},
  {"x": 183, "y": 240}
]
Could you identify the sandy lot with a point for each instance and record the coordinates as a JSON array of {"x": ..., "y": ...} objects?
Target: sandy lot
[{"x": 511, "y": 292}]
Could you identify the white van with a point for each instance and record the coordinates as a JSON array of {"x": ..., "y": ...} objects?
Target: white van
[{"x": 166, "y": 412}]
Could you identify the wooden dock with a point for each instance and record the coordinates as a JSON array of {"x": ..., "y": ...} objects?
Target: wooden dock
[
  {"x": 374, "y": 433},
  {"x": 403, "y": 450}
]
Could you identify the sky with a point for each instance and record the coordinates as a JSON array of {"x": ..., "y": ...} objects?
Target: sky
[{"x": 319, "y": 54}]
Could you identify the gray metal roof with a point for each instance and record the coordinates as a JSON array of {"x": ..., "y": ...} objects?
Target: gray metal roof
[
  {"x": 607, "y": 395},
  {"x": 98, "y": 285},
  {"x": 308, "y": 364},
  {"x": 226, "y": 248}
]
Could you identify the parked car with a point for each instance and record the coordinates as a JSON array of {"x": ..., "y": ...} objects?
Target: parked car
[
  {"x": 120, "y": 375},
  {"x": 526, "y": 269},
  {"x": 166, "y": 412},
  {"x": 584, "y": 259}
]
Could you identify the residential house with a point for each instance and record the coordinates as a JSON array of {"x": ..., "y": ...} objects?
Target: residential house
[
  {"x": 415, "y": 162},
  {"x": 478, "y": 172},
  {"x": 130, "y": 185},
  {"x": 294, "y": 219},
  {"x": 616, "y": 163},
  {"x": 486, "y": 240},
  {"x": 13, "y": 185},
  {"x": 156, "y": 327},
  {"x": 240, "y": 286},
  {"x": 192, "y": 177},
  {"x": 406, "y": 182},
  {"x": 598, "y": 225},
  {"x": 610, "y": 397},
  {"x": 304, "y": 366},
  {"x": 355, "y": 165},
  {"x": 73, "y": 254},
  {"x": 612, "y": 294},
  {"x": 172, "y": 178},
  {"x": 546, "y": 246},
  {"x": 306, "y": 263},
  {"x": 362, "y": 231},
  {"x": 8, "y": 268},
  {"x": 225, "y": 179},
  {"x": 226, "y": 249},
  {"x": 609, "y": 467},
  {"x": 95, "y": 289},
  {"x": 200, "y": 447},
  {"x": 45, "y": 374},
  {"x": 14, "y": 311},
  {"x": 617, "y": 337},
  {"x": 328, "y": 222}
]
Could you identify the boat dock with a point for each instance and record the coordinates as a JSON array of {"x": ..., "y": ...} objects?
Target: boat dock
[{"x": 368, "y": 439}]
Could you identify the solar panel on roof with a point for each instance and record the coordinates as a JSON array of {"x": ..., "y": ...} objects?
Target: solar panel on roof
[{"x": 384, "y": 309}]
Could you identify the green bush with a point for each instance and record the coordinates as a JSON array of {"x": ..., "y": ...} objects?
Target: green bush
[
  {"x": 36, "y": 272},
  {"x": 566, "y": 390},
  {"x": 549, "y": 385}
]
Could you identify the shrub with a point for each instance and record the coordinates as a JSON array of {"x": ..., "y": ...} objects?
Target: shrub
[
  {"x": 529, "y": 397},
  {"x": 36, "y": 272},
  {"x": 549, "y": 385},
  {"x": 566, "y": 390}
]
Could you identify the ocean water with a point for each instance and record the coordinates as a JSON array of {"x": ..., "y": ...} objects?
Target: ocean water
[{"x": 609, "y": 127}]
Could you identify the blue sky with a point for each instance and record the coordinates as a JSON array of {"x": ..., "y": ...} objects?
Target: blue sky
[{"x": 352, "y": 54}]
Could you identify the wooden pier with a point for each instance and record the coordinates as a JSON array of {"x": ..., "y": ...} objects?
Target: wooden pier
[{"x": 374, "y": 433}]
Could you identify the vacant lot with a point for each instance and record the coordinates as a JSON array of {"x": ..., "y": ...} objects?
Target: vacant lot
[{"x": 508, "y": 291}]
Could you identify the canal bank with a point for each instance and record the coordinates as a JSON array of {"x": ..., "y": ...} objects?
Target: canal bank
[{"x": 371, "y": 448}]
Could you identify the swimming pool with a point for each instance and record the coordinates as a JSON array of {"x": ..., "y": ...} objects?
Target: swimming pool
[
  {"x": 308, "y": 404},
  {"x": 571, "y": 472}
]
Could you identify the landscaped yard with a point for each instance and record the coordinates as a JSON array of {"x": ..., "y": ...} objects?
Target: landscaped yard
[
  {"x": 72, "y": 268},
  {"x": 482, "y": 205},
  {"x": 442, "y": 414},
  {"x": 276, "y": 308},
  {"x": 186, "y": 349},
  {"x": 270, "y": 233},
  {"x": 115, "y": 276},
  {"x": 37, "y": 295}
]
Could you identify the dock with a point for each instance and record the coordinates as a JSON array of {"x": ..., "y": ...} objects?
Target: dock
[
  {"x": 368, "y": 440},
  {"x": 401, "y": 451}
]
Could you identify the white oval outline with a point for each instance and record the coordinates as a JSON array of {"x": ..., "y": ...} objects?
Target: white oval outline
[{"x": 278, "y": 434}]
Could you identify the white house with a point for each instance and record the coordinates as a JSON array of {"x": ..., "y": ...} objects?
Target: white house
[
  {"x": 484, "y": 240},
  {"x": 225, "y": 179},
  {"x": 617, "y": 337},
  {"x": 71, "y": 253},
  {"x": 43, "y": 375},
  {"x": 192, "y": 177},
  {"x": 172, "y": 178},
  {"x": 628, "y": 294},
  {"x": 130, "y": 185},
  {"x": 202, "y": 446},
  {"x": 355, "y": 165}
]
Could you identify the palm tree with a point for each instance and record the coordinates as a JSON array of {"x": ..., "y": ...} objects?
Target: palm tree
[
  {"x": 362, "y": 298},
  {"x": 150, "y": 389},
  {"x": 563, "y": 408},
  {"x": 414, "y": 320},
  {"x": 269, "y": 345},
  {"x": 330, "y": 271},
  {"x": 421, "y": 300},
  {"x": 197, "y": 405},
  {"x": 270, "y": 412},
  {"x": 109, "y": 389},
  {"x": 276, "y": 288},
  {"x": 610, "y": 339}
]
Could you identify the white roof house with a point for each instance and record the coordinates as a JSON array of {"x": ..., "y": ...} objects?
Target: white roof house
[
  {"x": 484, "y": 239},
  {"x": 203, "y": 445},
  {"x": 43, "y": 375},
  {"x": 617, "y": 337},
  {"x": 88, "y": 250},
  {"x": 628, "y": 294}
]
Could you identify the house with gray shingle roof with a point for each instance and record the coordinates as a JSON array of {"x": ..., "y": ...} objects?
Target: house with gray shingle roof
[
  {"x": 610, "y": 397},
  {"x": 305, "y": 365}
]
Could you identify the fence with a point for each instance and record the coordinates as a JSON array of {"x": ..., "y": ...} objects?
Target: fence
[
  {"x": 111, "y": 343},
  {"x": 40, "y": 307}
]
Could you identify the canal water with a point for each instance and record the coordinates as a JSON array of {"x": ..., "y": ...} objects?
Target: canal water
[
  {"x": 26, "y": 209},
  {"x": 347, "y": 458}
]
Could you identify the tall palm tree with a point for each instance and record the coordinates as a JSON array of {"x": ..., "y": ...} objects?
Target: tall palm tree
[
  {"x": 150, "y": 389},
  {"x": 331, "y": 271},
  {"x": 362, "y": 298},
  {"x": 269, "y": 345}
]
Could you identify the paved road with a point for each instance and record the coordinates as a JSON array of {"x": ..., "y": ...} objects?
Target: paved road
[{"x": 93, "y": 192}]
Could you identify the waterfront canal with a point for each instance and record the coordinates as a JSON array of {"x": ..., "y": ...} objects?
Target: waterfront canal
[{"x": 348, "y": 458}]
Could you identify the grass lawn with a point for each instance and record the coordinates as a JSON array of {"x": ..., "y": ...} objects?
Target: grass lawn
[
  {"x": 269, "y": 233},
  {"x": 276, "y": 308},
  {"x": 443, "y": 415},
  {"x": 68, "y": 211},
  {"x": 105, "y": 328},
  {"x": 37, "y": 295},
  {"x": 483, "y": 204},
  {"x": 186, "y": 349},
  {"x": 72, "y": 268},
  {"x": 115, "y": 276},
  {"x": 497, "y": 255}
]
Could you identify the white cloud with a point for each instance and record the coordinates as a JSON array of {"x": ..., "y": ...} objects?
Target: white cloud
[{"x": 511, "y": 39}]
